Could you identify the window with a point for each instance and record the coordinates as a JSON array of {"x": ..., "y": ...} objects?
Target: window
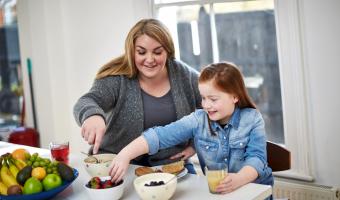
[
  {"x": 11, "y": 89},
  {"x": 245, "y": 32}
]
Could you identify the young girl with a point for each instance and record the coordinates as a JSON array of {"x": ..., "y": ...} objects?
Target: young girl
[{"x": 229, "y": 129}]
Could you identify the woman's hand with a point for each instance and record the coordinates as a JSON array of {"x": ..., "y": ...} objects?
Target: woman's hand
[
  {"x": 93, "y": 130},
  {"x": 118, "y": 168},
  {"x": 229, "y": 183},
  {"x": 185, "y": 154}
]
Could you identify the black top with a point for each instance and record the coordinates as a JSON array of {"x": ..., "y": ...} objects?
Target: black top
[{"x": 158, "y": 111}]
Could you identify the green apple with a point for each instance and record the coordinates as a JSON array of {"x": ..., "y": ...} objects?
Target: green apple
[
  {"x": 32, "y": 186},
  {"x": 51, "y": 181}
]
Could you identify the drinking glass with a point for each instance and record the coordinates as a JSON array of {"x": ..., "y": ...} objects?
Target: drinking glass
[
  {"x": 215, "y": 173},
  {"x": 60, "y": 151}
]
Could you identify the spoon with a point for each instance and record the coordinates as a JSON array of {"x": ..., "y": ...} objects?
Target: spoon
[
  {"x": 91, "y": 157},
  {"x": 168, "y": 181}
]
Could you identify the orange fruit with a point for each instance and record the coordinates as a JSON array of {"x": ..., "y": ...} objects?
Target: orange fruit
[
  {"x": 20, "y": 154},
  {"x": 39, "y": 173}
]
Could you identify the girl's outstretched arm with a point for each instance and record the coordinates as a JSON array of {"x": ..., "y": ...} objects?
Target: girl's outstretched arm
[{"x": 120, "y": 163}]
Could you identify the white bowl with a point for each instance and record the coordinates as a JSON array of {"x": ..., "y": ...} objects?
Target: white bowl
[
  {"x": 113, "y": 193},
  {"x": 99, "y": 169},
  {"x": 160, "y": 192}
]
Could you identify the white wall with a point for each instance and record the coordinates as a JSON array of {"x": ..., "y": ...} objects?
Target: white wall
[
  {"x": 321, "y": 31},
  {"x": 69, "y": 40}
]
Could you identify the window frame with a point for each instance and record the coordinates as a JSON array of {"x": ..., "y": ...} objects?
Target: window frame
[
  {"x": 295, "y": 89},
  {"x": 294, "y": 84}
]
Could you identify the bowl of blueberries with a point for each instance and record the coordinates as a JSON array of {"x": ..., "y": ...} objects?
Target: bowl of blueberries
[{"x": 156, "y": 186}]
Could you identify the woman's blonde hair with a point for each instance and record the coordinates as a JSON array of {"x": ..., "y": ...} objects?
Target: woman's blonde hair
[{"x": 125, "y": 64}]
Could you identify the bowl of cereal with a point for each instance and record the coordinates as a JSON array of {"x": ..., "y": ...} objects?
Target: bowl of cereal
[{"x": 98, "y": 165}]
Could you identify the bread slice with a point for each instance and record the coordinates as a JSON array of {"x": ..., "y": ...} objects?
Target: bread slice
[
  {"x": 143, "y": 170},
  {"x": 173, "y": 168}
]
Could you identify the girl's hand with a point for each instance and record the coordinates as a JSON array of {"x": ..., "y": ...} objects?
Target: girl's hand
[
  {"x": 185, "y": 154},
  {"x": 120, "y": 163},
  {"x": 229, "y": 183},
  {"x": 118, "y": 168},
  {"x": 235, "y": 180},
  {"x": 93, "y": 130}
]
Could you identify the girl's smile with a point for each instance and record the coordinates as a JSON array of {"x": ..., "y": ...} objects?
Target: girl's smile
[{"x": 218, "y": 105}]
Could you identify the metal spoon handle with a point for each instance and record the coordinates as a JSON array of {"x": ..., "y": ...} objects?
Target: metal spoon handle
[
  {"x": 170, "y": 180},
  {"x": 85, "y": 153},
  {"x": 96, "y": 160}
]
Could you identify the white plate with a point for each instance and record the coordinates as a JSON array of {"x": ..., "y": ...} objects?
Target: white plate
[
  {"x": 180, "y": 175},
  {"x": 183, "y": 173}
]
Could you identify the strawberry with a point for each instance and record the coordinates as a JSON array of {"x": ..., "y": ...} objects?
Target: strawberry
[
  {"x": 107, "y": 184},
  {"x": 95, "y": 182},
  {"x": 96, "y": 186}
]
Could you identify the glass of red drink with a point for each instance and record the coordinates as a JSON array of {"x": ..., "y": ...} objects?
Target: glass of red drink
[{"x": 60, "y": 151}]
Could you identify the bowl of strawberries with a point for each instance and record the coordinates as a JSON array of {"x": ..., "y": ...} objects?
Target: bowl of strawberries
[{"x": 101, "y": 188}]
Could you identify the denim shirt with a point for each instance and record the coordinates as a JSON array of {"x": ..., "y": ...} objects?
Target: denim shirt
[{"x": 239, "y": 143}]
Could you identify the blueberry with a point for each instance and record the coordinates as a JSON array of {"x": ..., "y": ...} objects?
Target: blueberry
[{"x": 154, "y": 183}]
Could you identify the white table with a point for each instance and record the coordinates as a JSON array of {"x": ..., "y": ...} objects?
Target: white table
[{"x": 188, "y": 187}]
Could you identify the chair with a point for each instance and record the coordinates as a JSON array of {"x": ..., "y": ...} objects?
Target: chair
[
  {"x": 278, "y": 157},
  {"x": 25, "y": 136}
]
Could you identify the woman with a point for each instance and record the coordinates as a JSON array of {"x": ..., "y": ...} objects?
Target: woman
[{"x": 144, "y": 87}]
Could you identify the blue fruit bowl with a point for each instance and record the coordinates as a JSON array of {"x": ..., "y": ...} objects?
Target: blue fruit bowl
[{"x": 42, "y": 195}]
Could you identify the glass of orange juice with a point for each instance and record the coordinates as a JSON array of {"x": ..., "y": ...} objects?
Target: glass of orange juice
[{"x": 215, "y": 173}]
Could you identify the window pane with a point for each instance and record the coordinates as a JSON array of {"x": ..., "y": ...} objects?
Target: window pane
[
  {"x": 246, "y": 36},
  {"x": 11, "y": 90},
  {"x": 193, "y": 44},
  {"x": 240, "y": 32},
  {"x": 169, "y": 1}
]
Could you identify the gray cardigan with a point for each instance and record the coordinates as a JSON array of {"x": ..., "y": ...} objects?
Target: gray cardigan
[{"x": 118, "y": 99}]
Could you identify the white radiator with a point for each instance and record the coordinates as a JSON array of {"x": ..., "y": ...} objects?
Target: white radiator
[{"x": 301, "y": 191}]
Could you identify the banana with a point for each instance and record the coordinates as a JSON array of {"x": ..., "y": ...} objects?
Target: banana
[
  {"x": 7, "y": 176},
  {"x": 14, "y": 170},
  {"x": 3, "y": 189},
  {"x": 19, "y": 163}
]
